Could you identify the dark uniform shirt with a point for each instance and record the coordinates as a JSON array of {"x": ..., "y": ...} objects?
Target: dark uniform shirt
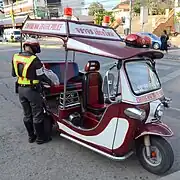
[{"x": 32, "y": 70}]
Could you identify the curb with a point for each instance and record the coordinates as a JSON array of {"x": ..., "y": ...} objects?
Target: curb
[
  {"x": 173, "y": 176},
  {"x": 42, "y": 46}
]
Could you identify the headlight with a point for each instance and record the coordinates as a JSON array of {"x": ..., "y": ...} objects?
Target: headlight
[
  {"x": 135, "y": 113},
  {"x": 159, "y": 111}
]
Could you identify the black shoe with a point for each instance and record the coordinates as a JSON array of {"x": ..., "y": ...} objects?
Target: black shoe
[
  {"x": 41, "y": 137},
  {"x": 32, "y": 139},
  {"x": 42, "y": 141},
  {"x": 30, "y": 130}
]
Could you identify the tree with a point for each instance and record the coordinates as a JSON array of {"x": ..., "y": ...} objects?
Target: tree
[
  {"x": 95, "y": 7},
  {"x": 136, "y": 6},
  {"x": 156, "y": 7},
  {"x": 99, "y": 17}
]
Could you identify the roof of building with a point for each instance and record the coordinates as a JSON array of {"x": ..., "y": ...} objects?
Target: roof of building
[{"x": 122, "y": 6}]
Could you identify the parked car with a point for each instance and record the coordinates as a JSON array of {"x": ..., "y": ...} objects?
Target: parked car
[
  {"x": 138, "y": 40},
  {"x": 155, "y": 40},
  {"x": 10, "y": 32}
]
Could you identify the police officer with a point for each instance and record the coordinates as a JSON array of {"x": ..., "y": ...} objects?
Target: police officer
[{"x": 28, "y": 69}]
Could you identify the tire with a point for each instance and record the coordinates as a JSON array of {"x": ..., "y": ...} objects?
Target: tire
[
  {"x": 167, "y": 156},
  {"x": 156, "y": 46}
]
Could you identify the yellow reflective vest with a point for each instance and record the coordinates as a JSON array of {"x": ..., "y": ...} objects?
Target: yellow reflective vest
[{"x": 18, "y": 59}]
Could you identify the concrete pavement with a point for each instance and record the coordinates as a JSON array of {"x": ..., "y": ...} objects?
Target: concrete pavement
[
  {"x": 62, "y": 159},
  {"x": 173, "y": 176}
]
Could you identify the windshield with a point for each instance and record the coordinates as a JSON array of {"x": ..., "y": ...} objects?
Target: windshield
[
  {"x": 141, "y": 76},
  {"x": 151, "y": 35},
  {"x": 155, "y": 37},
  {"x": 17, "y": 32}
]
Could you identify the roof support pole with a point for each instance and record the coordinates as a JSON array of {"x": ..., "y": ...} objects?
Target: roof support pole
[{"x": 65, "y": 79}]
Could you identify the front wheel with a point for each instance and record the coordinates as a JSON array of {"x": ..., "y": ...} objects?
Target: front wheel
[{"x": 162, "y": 156}]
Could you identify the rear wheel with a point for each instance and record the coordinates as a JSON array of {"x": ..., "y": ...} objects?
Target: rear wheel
[
  {"x": 162, "y": 156},
  {"x": 156, "y": 46}
]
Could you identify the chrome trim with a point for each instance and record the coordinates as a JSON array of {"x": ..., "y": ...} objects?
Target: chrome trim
[
  {"x": 121, "y": 158},
  {"x": 135, "y": 113},
  {"x": 160, "y": 108}
]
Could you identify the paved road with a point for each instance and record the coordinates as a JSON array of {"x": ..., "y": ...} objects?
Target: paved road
[{"x": 62, "y": 159}]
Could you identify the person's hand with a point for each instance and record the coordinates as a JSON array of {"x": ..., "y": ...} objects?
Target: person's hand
[
  {"x": 52, "y": 84},
  {"x": 47, "y": 86}
]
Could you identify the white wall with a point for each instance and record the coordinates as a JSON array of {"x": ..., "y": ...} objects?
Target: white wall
[{"x": 40, "y": 3}]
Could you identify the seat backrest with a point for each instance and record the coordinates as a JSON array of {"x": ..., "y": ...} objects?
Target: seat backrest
[
  {"x": 92, "y": 85},
  {"x": 59, "y": 69}
]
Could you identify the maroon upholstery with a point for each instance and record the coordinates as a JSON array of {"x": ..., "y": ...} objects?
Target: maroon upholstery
[{"x": 92, "y": 89}]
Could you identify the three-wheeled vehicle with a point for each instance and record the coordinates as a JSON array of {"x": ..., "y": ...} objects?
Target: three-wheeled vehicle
[{"x": 117, "y": 115}]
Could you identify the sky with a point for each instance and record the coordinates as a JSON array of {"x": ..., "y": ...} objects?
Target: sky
[{"x": 108, "y": 4}]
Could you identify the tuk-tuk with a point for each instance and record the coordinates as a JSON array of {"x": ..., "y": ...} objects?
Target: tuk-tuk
[{"x": 115, "y": 115}]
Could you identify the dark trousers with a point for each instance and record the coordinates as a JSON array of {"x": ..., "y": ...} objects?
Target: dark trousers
[{"x": 32, "y": 104}]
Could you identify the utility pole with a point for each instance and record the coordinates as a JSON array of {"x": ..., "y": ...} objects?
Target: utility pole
[
  {"x": 34, "y": 8},
  {"x": 130, "y": 16},
  {"x": 12, "y": 15},
  {"x": 142, "y": 12}
]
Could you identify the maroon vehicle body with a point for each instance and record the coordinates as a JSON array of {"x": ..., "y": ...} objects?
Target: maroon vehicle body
[{"x": 110, "y": 124}]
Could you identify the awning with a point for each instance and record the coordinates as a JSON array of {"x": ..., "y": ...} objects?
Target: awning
[
  {"x": 8, "y": 21},
  {"x": 112, "y": 49},
  {"x": 87, "y": 38}
]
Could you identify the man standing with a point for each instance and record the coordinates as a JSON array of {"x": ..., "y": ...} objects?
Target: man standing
[
  {"x": 28, "y": 69},
  {"x": 164, "y": 41}
]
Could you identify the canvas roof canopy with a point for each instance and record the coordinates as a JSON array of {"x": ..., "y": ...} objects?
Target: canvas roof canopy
[{"x": 87, "y": 38}]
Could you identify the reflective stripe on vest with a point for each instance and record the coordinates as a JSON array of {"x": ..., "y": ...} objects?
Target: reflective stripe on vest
[{"x": 18, "y": 59}]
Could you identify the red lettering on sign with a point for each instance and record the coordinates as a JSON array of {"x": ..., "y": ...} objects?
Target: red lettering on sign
[
  {"x": 149, "y": 97},
  {"x": 42, "y": 26}
]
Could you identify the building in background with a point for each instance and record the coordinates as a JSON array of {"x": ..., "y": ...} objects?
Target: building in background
[
  {"x": 54, "y": 8},
  {"x": 121, "y": 10},
  {"x": 22, "y": 7},
  {"x": 38, "y": 9},
  {"x": 76, "y": 5}
]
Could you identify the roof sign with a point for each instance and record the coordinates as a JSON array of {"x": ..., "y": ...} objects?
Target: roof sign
[
  {"x": 51, "y": 27},
  {"x": 76, "y": 29}
]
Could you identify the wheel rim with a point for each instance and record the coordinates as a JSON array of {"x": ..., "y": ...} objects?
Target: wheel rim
[
  {"x": 156, "y": 157},
  {"x": 156, "y": 46}
]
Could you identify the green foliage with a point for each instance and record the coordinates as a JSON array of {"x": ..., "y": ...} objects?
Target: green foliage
[
  {"x": 95, "y": 7},
  {"x": 99, "y": 17},
  {"x": 97, "y": 10},
  {"x": 178, "y": 14},
  {"x": 156, "y": 7},
  {"x": 136, "y": 6}
]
